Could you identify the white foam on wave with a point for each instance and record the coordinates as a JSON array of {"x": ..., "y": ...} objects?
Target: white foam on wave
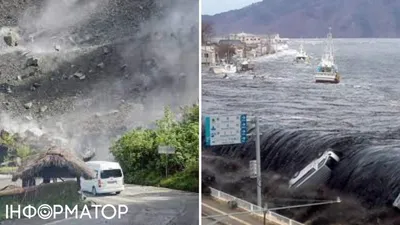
[{"x": 266, "y": 58}]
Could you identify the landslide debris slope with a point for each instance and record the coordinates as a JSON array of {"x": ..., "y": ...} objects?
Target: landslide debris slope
[{"x": 86, "y": 71}]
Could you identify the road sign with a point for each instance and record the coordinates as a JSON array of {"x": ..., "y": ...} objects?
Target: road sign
[
  {"x": 222, "y": 130},
  {"x": 253, "y": 169},
  {"x": 166, "y": 150}
]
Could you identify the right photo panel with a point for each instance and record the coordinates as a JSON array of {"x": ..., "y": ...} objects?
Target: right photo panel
[{"x": 300, "y": 112}]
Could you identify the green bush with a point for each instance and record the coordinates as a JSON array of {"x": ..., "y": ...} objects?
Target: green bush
[
  {"x": 137, "y": 151},
  {"x": 187, "y": 180},
  {"x": 15, "y": 147},
  {"x": 23, "y": 151}
]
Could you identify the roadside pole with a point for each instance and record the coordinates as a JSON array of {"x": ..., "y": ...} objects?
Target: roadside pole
[
  {"x": 166, "y": 165},
  {"x": 166, "y": 150},
  {"x": 258, "y": 158},
  {"x": 265, "y": 213}
]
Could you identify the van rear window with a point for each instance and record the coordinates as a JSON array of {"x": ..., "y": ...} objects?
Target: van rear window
[{"x": 110, "y": 173}]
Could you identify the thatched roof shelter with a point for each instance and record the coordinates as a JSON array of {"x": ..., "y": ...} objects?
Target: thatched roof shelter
[{"x": 53, "y": 163}]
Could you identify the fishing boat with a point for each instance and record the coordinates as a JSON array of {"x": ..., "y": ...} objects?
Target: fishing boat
[
  {"x": 327, "y": 71},
  {"x": 302, "y": 55},
  {"x": 224, "y": 68}
]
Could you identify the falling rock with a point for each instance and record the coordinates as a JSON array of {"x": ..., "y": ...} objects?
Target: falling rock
[
  {"x": 11, "y": 39},
  {"x": 32, "y": 62},
  {"x": 106, "y": 50},
  {"x": 28, "y": 105},
  {"x": 101, "y": 65},
  {"x": 123, "y": 67},
  {"x": 57, "y": 47},
  {"x": 29, "y": 118},
  {"x": 9, "y": 90},
  {"x": 4, "y": 134},
  {"x": 19, "y": 78},
  {"x": 36, "y": 85},
  {"x": 79, "y": 75},
  {"x": 43, "y": 109}
]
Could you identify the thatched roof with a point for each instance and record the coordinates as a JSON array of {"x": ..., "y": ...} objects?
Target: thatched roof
[
  {"x": 55, "y": 161},
  {"x": 11, "y": 190}
]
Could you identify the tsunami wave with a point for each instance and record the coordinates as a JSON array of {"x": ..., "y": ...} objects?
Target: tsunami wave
[{"x": 368, "y": 169}]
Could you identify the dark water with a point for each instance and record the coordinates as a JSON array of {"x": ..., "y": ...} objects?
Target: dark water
[{"x": 359, "y": 118}]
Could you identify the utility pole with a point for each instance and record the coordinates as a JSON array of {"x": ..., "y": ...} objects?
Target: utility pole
[{"x": 258, "y": 159}]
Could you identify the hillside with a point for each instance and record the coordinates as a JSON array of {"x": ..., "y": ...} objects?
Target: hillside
[
  {"x": 311, "y": 18},
  {"x": 103, "y": 67}
]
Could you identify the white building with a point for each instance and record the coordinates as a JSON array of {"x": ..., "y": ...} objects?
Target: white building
[
  {"x": 208, "y": 54},
  {"x": 247, "y": 38}
]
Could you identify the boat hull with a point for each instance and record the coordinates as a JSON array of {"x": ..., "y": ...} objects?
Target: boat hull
[
  {"x": 219, "y": 70},
  {"x": 332, "y": 78}
]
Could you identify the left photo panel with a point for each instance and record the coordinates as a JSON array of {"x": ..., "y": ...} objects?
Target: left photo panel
[{"x": 99, "y": 112}]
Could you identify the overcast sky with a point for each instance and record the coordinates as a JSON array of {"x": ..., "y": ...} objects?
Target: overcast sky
[{"x": 211, "y": 7}]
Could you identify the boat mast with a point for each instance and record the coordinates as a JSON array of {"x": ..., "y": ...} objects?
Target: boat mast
[{"x": 330, "y": 46}]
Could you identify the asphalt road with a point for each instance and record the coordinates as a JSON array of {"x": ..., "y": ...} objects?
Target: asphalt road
[{"x": 146, "y": 205}]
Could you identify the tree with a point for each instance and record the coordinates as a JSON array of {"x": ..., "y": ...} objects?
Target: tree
[
  {"x": 137, "y": 151},
  {"x": 207, "y": 31}
]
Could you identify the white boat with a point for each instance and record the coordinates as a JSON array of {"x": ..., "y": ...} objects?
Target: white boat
[
  {"x": 224, "y": 69},
  {"x": 327, "y": 71},
  {"x": 302, "y": 56}
]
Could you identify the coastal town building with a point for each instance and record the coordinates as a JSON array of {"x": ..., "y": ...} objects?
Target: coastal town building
[{"x": 208, "y": 54}]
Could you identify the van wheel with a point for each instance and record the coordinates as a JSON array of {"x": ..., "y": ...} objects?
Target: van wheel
[
  {"x": 118, "y": 192},
  {"x": 94, "y": 192}
]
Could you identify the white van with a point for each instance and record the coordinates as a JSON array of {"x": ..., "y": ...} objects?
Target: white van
[
  {"x": 109, "y": 178},
  {"x": 316, "y": 172}
]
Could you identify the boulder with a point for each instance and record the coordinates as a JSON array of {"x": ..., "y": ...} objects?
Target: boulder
[
  {"x": 32, "y": 62},
  {"x": 43, "y": 109},
  {"x": 79, "y": 75},
  {"x": 11, "y": 39},
  {"x": 28, "y": 105},
  {"x": 101, "y": 65}
]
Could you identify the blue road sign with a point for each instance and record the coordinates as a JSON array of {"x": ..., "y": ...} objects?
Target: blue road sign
[{"x": 222, "y": 130}]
